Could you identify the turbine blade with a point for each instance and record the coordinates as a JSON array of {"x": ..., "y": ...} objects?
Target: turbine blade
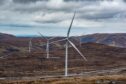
[
  {"x": 77, "y": 50},
  {"x": 42, "y": 36},
  {"x": 57, "y": 41},
  {"x": 68, "y": 33},
  {"x": 52, "y": 38}
]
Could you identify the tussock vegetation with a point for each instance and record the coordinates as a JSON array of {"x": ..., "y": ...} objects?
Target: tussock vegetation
[{"x": 108, "y": 79}]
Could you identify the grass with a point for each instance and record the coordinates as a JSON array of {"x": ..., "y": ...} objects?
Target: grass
[{"x": 73, "y": 80}]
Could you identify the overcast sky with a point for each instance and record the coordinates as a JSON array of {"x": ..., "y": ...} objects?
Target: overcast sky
[{"x": 52, "y": 17}]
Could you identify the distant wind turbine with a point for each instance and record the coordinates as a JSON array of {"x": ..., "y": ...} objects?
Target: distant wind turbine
[
  {"x": 47, "y": 44},
  {"x": 80, "y": 39},
  {"x": 30, "y": 45}
]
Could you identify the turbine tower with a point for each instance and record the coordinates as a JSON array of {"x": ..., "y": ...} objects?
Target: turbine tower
[
  {"x": 30, "y": 45},
  {"x": 47, "y": 44},
  {"x": 80, "y": 39}
]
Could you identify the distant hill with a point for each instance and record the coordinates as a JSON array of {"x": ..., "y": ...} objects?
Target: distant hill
[
  {"x": 6, "y": 36},
  {"x": 114, "y": 39}
]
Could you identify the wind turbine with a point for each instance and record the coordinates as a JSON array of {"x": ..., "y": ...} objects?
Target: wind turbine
[
  {"x": 72, "y": 44},
  {"x": 80, "y": 38},
  {"x": 30, "y": 45},
  {"x": 67, "y": 46},
  {"x": 47, "y": 44}
]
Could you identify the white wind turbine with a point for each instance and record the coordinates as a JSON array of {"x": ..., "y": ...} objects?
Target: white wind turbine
[
  {"x": 47, "y": 44},
  {"x": 67, "y": 45},
  {"x": 73, "y": 45},
  {"x": 30, "y": 45},
  {"x": 80, "y": 38}
]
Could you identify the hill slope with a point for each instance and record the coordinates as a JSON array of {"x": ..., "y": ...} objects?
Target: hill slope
[
  {"x": 99, "y": 57},
  {"x": 6, "y": 36},
  {"x": 115, "y": 39}
]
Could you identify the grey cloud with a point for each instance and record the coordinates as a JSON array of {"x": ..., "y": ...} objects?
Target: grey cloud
[
  {"x": 49, "y": 21},
  {"x": 31, "y": 7},
  {"x": 69, "y": 6},
  {"x": 27, "y": 10},
  {"x": 33, "y": 1},
  {"x": 101, "y": 15},
  {"x": 2, "y": 2},
  {"x": 27, "y": 1},
  {"x": 85, "y": 0},
  {"x": 124, "y": 0}
]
